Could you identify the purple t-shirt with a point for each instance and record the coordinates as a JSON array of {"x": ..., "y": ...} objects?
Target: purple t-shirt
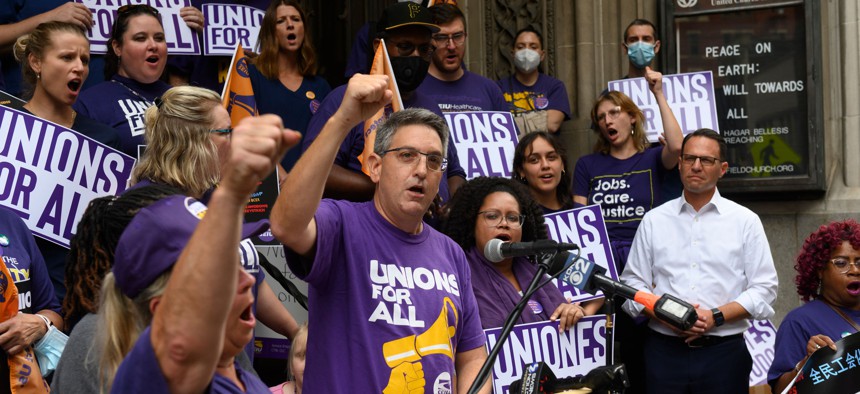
[
  {"x": 812, "y": 318},
  {"x": 120, "y": 103},
  {"x": 384, "y": 304},
  {"x": 471, "y": 92},
  {"x": 546, "y": 93},
  {"x": 625, "y": 189},
  {"x": 22, "y": 258},
  {"x": 353, "y": 144},
  {"x": 139, "y": 372}
]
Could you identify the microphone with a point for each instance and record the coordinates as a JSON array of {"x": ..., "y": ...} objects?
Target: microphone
[
  {"x": 539, "y": 379},
  {"x": 497, "y": 250},
  {"x": 587, "y": 276}
]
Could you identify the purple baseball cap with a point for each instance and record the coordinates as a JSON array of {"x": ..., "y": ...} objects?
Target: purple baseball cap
[{"x": 155, "y": 238}]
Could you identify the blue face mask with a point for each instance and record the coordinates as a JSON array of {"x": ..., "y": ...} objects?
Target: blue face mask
[
  {"x": 49, "y": 349},
  {"x": 640, "y": 53}
]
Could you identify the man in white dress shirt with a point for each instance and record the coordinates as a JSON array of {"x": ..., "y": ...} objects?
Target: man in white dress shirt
[{"x": 713, "y": 253}]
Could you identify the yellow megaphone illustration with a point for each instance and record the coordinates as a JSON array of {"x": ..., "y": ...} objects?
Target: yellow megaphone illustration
[{"x": 436, "y": 340}]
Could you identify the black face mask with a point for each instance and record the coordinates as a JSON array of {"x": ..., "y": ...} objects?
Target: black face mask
[{"x": 409, "y": 71}]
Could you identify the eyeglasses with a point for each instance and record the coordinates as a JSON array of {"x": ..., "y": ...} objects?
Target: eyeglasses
[
  {"x": 136, "y": 9},
  {"x": 707, "y": 161},
  {"x": 225, "y": 132},
  {"x": 494, "y": 218},
  {"x": 435, "y": 162},
  {"x": 457, "y": 38},
  {"x": 843, "y": 265},
  {"x": 407, "y": 49},
  {"x": 613, "y": 114}
]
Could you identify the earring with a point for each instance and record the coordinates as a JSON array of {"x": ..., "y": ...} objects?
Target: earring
[
  {"x": 39, "y": 76},
  {"x": 818, "y": 291}
]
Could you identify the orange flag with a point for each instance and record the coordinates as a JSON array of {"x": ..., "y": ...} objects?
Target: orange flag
[
  {"x": 238, "y": 96},
  {"x": 381, "y": 66},
  {"x": 24, "y": 374}
]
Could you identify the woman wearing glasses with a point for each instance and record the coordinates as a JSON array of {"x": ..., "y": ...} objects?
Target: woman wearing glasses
[
  {"x": 499, "y": 208},
  {"x": 284, "y": 75},
  {"x": 828, "y": 278},
  {"x": 137, "y": 54},
  {"x": 623, "y": 175}
]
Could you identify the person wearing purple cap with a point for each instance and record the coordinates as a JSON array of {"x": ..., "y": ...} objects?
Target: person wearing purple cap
[
  {"x": 203, "y": 317},
  {"x": 406, "y": 29},
  {"x": 401, "y": 288}
]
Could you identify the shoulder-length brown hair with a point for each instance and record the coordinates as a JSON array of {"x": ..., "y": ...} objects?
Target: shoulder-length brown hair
[
  {"x": 640, "y": 140},
  {"x": 268, "y": 46}
]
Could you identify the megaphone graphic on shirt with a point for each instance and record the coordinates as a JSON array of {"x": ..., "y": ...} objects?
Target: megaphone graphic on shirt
[{"x": 436, "y": 340}]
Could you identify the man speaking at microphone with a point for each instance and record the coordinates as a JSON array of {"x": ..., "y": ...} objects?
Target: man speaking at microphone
[
  {"x": 391, "y": 302},
  {"x": 713, "y": 253}
]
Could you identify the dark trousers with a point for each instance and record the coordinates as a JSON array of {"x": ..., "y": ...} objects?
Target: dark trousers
[{"x": 674, "y": 367}]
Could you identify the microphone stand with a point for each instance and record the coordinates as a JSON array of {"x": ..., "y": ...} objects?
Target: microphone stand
[{"x": 543, "y": 267}]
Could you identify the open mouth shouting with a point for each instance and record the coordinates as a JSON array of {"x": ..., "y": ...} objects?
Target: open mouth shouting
[
  {"x": 417, "y": 191},
  {"x": 74, "y": 85},
  {"x": 152, "y": 59},
  {"x": 854, "y": 288}
]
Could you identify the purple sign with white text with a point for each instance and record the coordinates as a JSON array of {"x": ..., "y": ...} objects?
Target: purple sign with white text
[
  {"x": 570, "y": 353},
  {"x": 49, "y": 174},
  {"x": 181, "y": 40},
  {"x": 584, "y": 227},
  {"x": 690, "y": 95},
  {"x": 485, "y": 142}
]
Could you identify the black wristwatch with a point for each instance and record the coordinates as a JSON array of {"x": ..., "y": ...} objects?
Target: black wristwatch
[{"x": 719, "y": 319}]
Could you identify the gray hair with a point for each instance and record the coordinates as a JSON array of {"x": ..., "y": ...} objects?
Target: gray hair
[{"x": 407, "y": 117}]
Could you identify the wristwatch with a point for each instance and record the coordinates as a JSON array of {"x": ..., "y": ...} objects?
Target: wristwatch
[{"x": 719, "y": 319}]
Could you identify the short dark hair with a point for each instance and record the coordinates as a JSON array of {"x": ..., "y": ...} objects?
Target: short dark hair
[
  {"x": 120, "y": 26},
  {"x": 641, "y": 22},
  {"x": 711, "y": 134},
  {"x": 446, "y": 13},
  {"x": 529, "y": 29}
]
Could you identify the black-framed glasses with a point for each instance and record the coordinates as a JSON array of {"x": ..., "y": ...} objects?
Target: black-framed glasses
[
  {"x": 494, "y": 218},
  {"x": 706, "y": 161},
  {"x": 843, "y": 264},
  {"x": 136, "y": 9},
  {"x": 406, "y": 155},
  {"x": 407, "y": 48},
  {"x": 442, "y": 39},
  {"x": 223, "y": 132},
  {"x": 612, "y": 114}
]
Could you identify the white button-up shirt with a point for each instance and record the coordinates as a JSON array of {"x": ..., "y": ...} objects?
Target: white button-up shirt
[{"x": 711, "y": 257}]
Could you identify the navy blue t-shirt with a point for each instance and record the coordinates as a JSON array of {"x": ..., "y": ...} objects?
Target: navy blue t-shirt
[{"x": 294, "y": 107}]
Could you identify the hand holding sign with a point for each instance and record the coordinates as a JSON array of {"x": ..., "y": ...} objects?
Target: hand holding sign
[
  {"x": 74, "y": 13},
  {"x": 817, "y": 342},
  {"x": 193, "y": 17}
]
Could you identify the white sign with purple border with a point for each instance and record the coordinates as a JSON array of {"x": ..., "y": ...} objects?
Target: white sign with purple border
[
  {"x": 571, "y": 353},
  {"x": 228, "y": 25},
  {"x": 181, "y": 40},
  {"x": 49, "y": 174},
  {"x": 690, "y": 95},
  {"x": 585, "y": 227},
  {"x": 760, "y": 339},
  {"x": 485, "y": 142}
]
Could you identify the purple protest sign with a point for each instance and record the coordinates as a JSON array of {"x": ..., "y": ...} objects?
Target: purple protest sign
[
  {"x": 49, "y": 174},
  {"x": 690, "y": 95},
  {"x": 570, "y": 353},
  {"x": 760, "y": 339},
  {"x": 228, "y": 25},
  {"x": 181, "y": 40},
  {"x": 584, "y": 227},
  {"x": 485, "y": 142}
]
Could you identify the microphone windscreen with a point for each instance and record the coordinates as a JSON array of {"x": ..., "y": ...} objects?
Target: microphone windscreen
[
  {"x": 559, "y": 262},
  {"x": 493, "y": 250}
]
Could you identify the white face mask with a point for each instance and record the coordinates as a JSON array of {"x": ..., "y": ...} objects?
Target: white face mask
[{"x": 526, "y": 60}]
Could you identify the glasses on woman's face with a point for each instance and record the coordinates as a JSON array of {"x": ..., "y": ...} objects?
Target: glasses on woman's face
[
  {"x": 843, "y": 264},
  {"x": 227, "y": 133},
  {"x": 495, "y": 218},
  {"x": 612, "y": 114}
]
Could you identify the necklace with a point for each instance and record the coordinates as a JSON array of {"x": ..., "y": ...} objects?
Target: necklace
[{"x": 70, "y": 124}]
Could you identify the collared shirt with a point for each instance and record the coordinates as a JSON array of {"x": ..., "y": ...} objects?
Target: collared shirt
[{"x": 711, "y": 257}]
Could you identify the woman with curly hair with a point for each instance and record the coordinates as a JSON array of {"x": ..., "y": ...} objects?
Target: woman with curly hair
[
  {"x": 540, "y": 162},
  {"x": 828, "y": 279},
  {"x": 487, "y": 208}
]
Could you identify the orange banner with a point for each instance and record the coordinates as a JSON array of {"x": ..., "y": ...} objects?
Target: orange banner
[
  {"x": 24, "y": 374},
  {"x": 381, "y": 66},
  {"x": 238, "y": 96}
]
